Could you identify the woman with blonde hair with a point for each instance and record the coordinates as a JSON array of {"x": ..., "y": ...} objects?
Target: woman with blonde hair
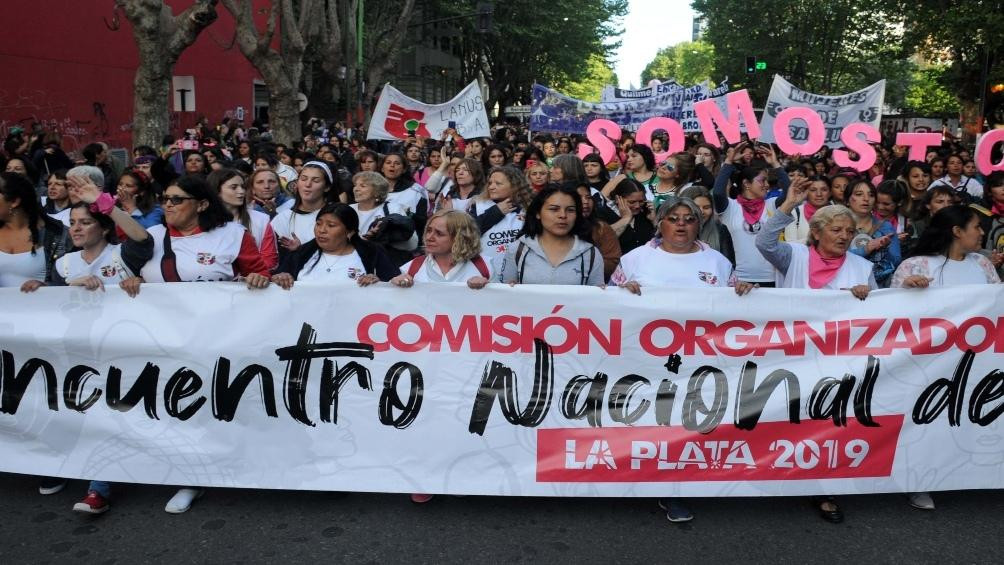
[{"x": 452, "y": 254}]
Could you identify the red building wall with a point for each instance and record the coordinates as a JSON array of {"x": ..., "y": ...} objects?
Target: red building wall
[{"x": 62, "y": 66}]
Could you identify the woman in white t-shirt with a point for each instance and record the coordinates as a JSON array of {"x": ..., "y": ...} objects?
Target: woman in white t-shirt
[
  {"x": 499, "y": 212},
  {"x": 101, "y": 260},
  {"x": 382, "y": 221},
  {"x": 946, "y": 255},
  {"x": 336, "y": 254},
  {"x": 676, "y": 258},
  {"x": 452, "y": 254},
  {"x": 746, "y": 214},
  {"x": 295, "y": 226}
]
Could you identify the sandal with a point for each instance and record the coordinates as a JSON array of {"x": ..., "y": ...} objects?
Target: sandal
[{"x": 833, "y": 515}]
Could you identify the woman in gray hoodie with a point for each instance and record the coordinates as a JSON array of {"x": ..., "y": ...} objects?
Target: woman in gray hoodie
[{"x": 554, "y": 246}]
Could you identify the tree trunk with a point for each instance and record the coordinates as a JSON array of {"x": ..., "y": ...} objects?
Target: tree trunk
[
  {"x": 284, "y": 116},
  {"x": 151, "y": 101},
  {"x": 160, "y": 39}
]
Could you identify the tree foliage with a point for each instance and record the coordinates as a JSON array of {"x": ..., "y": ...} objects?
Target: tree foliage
[
  {"x": 927, "y": 95},
  {"x": 825, "y": 46},
  {"x": 690, "y": 62},
  {"x": 597, "y": 75},
  {"x": 546, "y": 42}
]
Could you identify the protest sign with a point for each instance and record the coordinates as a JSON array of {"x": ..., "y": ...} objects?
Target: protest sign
[
  {"x": 531, "y": 390},
  {"x": 835, "y": 112},
  {"x": 397, "y": 116},
  {"x": 554, "y": 111}
]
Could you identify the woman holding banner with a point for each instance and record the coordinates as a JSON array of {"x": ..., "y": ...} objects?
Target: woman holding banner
[
  {"x": 947, "y": 254},
  {"x": 336, "y": 254},
  {"x": 823, "y": 262},
  {"x": 676, "y": 258},
  {"x": 746, "y": 214},
  {"x": 554, "y": 245},
  {"x": 199, "y": 242}
]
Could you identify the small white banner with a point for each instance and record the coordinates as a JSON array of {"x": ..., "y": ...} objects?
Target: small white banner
[
  {"x": 397, "y": 116},
  {"x": 837, "y": 112},
  {"x": 526, "y": 390}
]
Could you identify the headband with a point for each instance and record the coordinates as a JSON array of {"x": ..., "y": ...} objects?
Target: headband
[{"x": 323, "y": 166}]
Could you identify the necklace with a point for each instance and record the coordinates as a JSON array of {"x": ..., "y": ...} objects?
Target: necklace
[{"x": 328, "y": 265}]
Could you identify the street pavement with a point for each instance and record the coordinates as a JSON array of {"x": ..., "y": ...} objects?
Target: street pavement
[{"x": 246, "y": 526}]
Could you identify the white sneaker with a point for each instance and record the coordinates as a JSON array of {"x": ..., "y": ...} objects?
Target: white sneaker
[
  {"x": 921, "y": 500},
  {"x": 182, "y": 500}
]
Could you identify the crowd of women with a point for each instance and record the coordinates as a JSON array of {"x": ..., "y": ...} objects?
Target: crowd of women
[{"x": 506, "y": 210}]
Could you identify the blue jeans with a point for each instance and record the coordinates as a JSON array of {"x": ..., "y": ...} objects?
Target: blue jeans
[{"x": 103, "y": 488}]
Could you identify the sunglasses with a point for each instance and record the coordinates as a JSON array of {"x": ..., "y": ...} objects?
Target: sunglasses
[
  {"x": 175, "y": 200},
  {"x": 688, "y": 219},
  {"x": 669, "y": 166}
]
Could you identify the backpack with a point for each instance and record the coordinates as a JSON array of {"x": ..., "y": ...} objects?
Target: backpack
[{"x": 417, "y": 262}]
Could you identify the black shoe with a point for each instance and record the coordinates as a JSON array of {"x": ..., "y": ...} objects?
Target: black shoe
[
  {"x": 51, "y": 485},
  {"x": 833, "y": 515}
]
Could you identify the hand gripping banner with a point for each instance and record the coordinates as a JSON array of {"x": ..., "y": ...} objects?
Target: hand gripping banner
[{"x": 527, "y": 390}]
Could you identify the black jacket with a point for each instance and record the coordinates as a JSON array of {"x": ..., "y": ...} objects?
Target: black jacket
[{"x": 374, "y": 259}]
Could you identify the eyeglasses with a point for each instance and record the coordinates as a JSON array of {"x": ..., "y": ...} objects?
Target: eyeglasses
[
  {"x": 669, "y": 166},
  {"x": 175, "y": 200},
  {"x": 688, "y": 219}
]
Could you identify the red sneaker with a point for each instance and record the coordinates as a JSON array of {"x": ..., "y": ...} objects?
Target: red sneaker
[
  {"x": 93, "y": 503},
  {"x": 421, "y": 498}
]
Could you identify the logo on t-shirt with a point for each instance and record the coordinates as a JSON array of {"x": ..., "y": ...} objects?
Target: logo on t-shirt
[
  {"x": 206, "y": 259},
  {"x": 707, "y": 278},
  {"x": 108, "y": 271},
  {"x": 355, "y": 272}
]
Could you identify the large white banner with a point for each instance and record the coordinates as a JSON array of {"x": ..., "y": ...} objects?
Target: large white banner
[
  {"x": 527, "y": 390},
  {"x": 397, "y": 116},
  {"x": 837, "y": 112}
]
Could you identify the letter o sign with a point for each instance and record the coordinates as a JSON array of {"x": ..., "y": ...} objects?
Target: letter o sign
[{"x": 782, "y": 135}]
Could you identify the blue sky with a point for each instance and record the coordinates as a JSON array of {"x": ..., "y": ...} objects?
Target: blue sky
[{"x": 649, "y": 26}]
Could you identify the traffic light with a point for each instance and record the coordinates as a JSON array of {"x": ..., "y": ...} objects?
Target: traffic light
[
  {"x": 485, "y": 10},
  {"x": 750, "y": 65}
]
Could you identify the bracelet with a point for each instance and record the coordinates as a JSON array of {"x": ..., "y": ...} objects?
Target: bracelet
[{"x": 104, "y": 204}]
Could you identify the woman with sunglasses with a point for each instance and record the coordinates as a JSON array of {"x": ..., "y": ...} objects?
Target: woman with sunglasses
[
  {"x": 199, "y": 242},
  {"x": 676, "y": 258},
  {"x": 746, "y": 214},
  {"x": 674, "y": 176}
]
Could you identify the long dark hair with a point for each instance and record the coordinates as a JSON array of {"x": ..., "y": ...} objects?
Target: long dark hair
[
  {"x": 216, "y": 180},
  {"x": 14, "y": 186},
  {"x": 595, "y": 158},
  {"x": 533, "y": 227},
  {"x": 146, "y": 200},
  {"x": 215, "y": 215},
  {"x": 937, "y": 239},
  {"x": 404, "y": 181}
]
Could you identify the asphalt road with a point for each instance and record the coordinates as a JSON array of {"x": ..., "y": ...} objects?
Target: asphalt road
[{"x": 245, "y": 526}]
